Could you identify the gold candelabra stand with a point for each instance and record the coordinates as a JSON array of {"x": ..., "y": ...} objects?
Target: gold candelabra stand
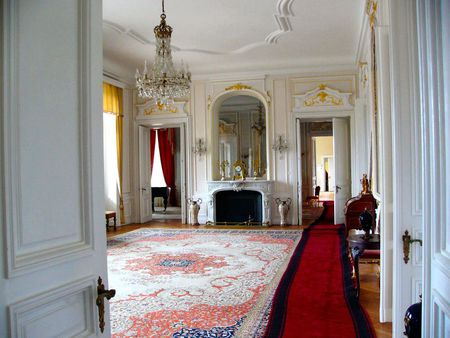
[{"x": 223, "y": 167}]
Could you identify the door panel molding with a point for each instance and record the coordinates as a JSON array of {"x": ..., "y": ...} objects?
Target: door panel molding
[
  {"x": 65, "y": 301},
  {"x": 70, "y": 233}
]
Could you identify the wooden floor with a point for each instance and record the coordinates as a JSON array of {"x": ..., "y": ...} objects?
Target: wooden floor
[{"x": 370, "y": 291}]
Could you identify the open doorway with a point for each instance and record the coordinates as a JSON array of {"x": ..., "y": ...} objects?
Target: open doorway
[
  {"x": 324, "y": 162},
  {"x": 165, "y": 157},
  {"x": 316, "y": 168},
  {"x": 323, "y": 167},
  {"x": 162, "y": 172}
]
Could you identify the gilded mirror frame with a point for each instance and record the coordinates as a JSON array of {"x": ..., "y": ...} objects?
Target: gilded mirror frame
[{"x": 213, "y": 127}]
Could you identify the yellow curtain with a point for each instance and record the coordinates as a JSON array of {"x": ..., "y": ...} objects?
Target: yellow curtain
[
  {"x": 113, "y": 103},
  {"x": 112, "y": 99}
]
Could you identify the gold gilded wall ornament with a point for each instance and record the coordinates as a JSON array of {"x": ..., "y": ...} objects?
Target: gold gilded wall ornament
[
  {"x": 161, "y": 107},
  {"x": 238, "y": 86},
  {"x": 371, "y": 11},
  {"x": 363, "y": 73},
  {"x": 209, "y": 102},
  {"x": 322, "y": 98}
]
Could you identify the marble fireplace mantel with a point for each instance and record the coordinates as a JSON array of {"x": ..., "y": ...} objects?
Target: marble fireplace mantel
[{"x": 265, "y": 188}]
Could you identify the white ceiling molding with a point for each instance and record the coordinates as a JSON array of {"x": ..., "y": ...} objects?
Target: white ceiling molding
[
  {"x": 129, "y": 32},
  {"x": 283, "y": 10},
  {"x": 234, "y": 38}
]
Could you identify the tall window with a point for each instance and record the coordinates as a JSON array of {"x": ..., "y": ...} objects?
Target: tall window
[
  {"x": 111, "y": 174},
  {"x": 112, "y": 148},
  {"x": 157, "y": 171}
]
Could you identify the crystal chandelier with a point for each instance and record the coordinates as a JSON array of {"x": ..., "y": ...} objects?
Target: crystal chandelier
[{"x": 162, "y": 82}]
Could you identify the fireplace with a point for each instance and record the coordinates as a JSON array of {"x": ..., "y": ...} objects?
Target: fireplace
[
  {"x": 238, "y": 206},
  {"x": 235, "y": 201}
]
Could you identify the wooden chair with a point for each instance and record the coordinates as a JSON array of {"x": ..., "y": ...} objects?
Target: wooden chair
[
  {"x": 108, "y": 215},
  {"x": 313, "y": 201},
  {"x": 353, "y": 208}
]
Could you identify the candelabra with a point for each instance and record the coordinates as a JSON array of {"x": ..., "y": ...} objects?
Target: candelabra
[
  {"x": 200, "y": 147},
  {"x": 280, "y": 144}
]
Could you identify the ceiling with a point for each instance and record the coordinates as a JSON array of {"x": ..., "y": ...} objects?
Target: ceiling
[{"x": 222, "y": 36}]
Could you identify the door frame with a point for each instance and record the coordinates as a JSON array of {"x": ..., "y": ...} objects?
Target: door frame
[
  {"x": 170, "y": 122},
  {"x": 311, "y": 116},
  {"x": 145, "y": 215}
]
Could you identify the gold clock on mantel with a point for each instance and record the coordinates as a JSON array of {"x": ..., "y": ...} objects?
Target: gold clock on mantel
[{"x": 239, "y": 170}]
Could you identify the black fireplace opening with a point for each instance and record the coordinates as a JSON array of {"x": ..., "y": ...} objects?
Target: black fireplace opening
[{"x": 238, "y": 206}]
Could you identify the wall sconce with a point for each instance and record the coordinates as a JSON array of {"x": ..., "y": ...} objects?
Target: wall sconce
[
  {"x": 200, "y": 147},
  {"x": 280, "y": 144}
]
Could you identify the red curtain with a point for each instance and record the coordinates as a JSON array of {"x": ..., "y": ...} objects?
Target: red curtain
[
  {"x": 166, "y": 139},
  {"x": 152, "y": 147}
]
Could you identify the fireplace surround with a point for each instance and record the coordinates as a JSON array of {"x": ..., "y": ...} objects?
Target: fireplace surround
[{"x": 240, "y": 201}]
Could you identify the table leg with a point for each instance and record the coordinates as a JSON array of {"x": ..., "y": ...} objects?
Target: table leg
[
  {"x": 165, "y": 203},
  {"x": 115, "y": 223},
  {"x": 356, "y": 253}
]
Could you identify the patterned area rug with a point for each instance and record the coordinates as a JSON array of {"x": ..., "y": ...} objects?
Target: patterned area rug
[{"x": 195, "y": 283}]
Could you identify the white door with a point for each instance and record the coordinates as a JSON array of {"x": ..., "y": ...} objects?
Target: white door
[
  {"x": 53, "y": 237},
  {"x": 434, "y": 44},
  {"x": 299, "y": 170},
  {"x": 342, "y": 174},
  {"x": 145, "y": 194}
]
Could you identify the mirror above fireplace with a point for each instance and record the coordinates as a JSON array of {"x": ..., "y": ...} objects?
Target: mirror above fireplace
[
  {"x": 238, "y": 134},
  {"x": 242, "y": 135}
]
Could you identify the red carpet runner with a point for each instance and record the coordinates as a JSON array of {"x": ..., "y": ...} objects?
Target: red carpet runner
[{"x": 315, "y": 297}]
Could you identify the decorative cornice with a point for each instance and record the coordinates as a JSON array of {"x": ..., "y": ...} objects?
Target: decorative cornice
[{"x": 322, "y": 97}]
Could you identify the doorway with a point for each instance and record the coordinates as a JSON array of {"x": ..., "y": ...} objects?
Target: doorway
[
  {"x": 165, "y": 173},
  {"x": 162, "y": 172},
  {"x": 324, "y": 167}
]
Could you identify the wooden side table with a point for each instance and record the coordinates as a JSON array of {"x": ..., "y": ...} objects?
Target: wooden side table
[
  {"x": 108, "y": 215},
  {"x": 357, "y": 245}
]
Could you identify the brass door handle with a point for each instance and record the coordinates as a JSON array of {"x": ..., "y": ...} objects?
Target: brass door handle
[
  {"x": 101, "y": 295},
  {"x": 406, "y": 238}
]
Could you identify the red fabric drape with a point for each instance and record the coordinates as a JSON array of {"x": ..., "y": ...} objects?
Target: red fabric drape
[
  {"x": 152, "y": 147},
  {"x": 166, "y": 139}
]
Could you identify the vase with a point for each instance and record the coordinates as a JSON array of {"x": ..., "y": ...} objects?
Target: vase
[
  {"x": 413, "y": 321},
  {"x": 194, "y": 208},
  {"x": 283, "y": 210}
]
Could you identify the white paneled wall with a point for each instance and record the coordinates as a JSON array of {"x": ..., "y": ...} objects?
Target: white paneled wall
[{"x": 278, "y": 92}]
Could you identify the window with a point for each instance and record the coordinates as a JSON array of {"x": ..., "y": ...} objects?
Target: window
[{"x": 157, "y": 172}]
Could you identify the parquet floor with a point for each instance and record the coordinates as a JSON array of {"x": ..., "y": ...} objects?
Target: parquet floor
[{"x": 370, "y": 291}]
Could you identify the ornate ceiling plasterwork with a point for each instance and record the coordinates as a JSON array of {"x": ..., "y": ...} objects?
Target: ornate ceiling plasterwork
[{"x": 283, "y": 10}]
